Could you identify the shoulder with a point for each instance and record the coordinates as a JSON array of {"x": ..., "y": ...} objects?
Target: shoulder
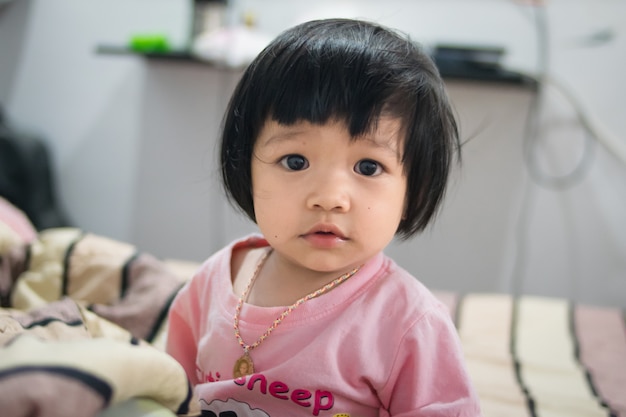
[
  {"x": 403, "y": 294},
  {"x": 395, "y": 307},
  {"x": 424, "y": 323},
  {"x": 217, "y": 272}
]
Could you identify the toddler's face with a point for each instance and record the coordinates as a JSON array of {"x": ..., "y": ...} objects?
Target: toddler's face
[{"x": 325, "y": 201}]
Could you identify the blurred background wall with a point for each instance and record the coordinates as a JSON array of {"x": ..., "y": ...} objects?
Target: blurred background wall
[{"x": 538, "y": 205}]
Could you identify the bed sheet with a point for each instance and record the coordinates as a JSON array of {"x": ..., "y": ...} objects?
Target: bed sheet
[{"x": 86, "y": 316}]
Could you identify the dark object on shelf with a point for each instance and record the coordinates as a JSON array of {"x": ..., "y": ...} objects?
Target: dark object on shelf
[
  {"x": 26, "y": 179},
  {"x": 475, "y": 63}
]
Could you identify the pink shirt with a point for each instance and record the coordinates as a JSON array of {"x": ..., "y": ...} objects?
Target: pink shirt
[{"x": 380, "y": 344}]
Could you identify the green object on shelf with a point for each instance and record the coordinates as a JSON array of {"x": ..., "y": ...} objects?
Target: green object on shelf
[{"x": 149, "y": 43}]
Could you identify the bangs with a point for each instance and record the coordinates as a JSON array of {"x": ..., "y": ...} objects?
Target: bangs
[
  {"x": 324, "y": 89},
  {"x": 313, "y": 81}
]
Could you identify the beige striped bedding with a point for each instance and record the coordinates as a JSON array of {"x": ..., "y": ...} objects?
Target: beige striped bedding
[{"x": 85, "y": 316}]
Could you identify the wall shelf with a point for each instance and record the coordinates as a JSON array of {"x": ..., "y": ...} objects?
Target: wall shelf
[
  {"x": 448, "y": 70},
  {"x": 173, "y": 55}
]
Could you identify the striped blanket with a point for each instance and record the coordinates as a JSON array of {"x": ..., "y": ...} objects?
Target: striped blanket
[
  {"x": 82, "y": 327},
  {"x": 83, "y": 320},
  {"x": 538, "y": 356}
]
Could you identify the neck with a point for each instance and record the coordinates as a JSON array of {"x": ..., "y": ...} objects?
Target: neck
[{"x": 281, "y": 282}]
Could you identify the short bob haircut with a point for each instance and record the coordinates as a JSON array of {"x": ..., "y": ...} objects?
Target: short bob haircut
[{"x": 354, "y": 71}]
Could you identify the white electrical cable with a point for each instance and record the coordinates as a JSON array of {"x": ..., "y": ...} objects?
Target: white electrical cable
[
  {"x": 615, "y": 145},
  {"x": 610, "y": 141}
]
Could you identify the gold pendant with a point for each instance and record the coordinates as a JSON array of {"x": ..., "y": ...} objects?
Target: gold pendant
[{"x": 243, "y": 366}]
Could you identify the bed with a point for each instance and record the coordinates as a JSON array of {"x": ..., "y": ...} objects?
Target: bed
[{"x": 84, "y": 317}]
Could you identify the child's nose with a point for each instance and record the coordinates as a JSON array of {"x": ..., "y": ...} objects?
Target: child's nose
[{"x": 330, "y": 192}]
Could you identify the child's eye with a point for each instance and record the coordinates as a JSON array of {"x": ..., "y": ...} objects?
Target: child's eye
[
  {"x": 368, "y": 167},
  {"x": 294, "y": 162}
]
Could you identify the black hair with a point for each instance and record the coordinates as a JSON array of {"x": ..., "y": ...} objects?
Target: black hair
[{"x": 354, "y": 71}]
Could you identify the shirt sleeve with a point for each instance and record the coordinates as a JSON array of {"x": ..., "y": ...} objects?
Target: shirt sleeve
[
  {"x": 181, "y": 342},
  {"x": 429, "y": 377}
]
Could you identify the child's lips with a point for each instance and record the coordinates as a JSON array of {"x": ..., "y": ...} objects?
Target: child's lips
[
  {"x": 326, "y": 236},
  {"x": 328, "y": 230}
]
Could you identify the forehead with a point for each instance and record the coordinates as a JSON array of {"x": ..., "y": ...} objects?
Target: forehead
[{"x": 385, "y": 133}]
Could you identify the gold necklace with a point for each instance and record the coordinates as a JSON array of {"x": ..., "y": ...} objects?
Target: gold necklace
[{"x": 244, "y": 365}]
